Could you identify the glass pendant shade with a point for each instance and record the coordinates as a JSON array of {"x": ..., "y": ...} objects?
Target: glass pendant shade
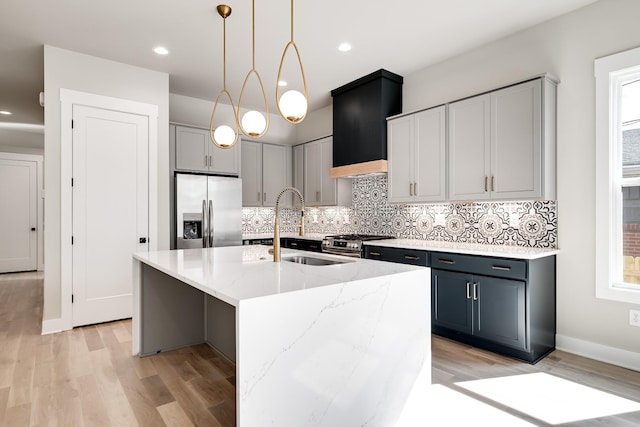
[
  {"x": 253, "y": 124},
  {"x": 293, "y": 104},
  {"x": 224, "y": 136}
]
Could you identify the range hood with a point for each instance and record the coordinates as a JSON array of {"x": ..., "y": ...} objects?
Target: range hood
[{"x": 360, "y": 111}]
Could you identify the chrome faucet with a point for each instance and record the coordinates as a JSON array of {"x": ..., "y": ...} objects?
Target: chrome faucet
[{"x": 276, "y": 225}]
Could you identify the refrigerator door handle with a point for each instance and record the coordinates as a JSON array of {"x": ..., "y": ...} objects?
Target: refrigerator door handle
[
  {"x": 205, "y": 224},
  {"x": 210, "y": 223}
]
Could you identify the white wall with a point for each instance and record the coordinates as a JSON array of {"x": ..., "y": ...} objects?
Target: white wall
[
  {"x": 71, "y": 70},
  {"x": 565, "y": 47},
  {"x": 317, "y": 124},
  {"x": 197, "y": 112}
]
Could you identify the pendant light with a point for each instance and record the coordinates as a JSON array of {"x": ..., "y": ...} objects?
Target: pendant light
[
  {"x": 292, "y": 105},
  {"x": 224, "y": 136},
  {"x": 253, "y": 123}
]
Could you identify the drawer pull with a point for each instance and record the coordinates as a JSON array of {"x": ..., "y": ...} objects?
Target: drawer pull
[
  {"x": 501, "y": 268},
  {"x": 374, "y": 253},
  {"x": 293, "y": 244},
  {"x": 411, "y": 257},
  {"x": 446, "y": 261},
  {"x": 313, "y": 246}
]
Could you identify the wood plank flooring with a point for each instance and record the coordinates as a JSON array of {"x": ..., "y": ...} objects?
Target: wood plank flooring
[{"x": 87, "y": 376}]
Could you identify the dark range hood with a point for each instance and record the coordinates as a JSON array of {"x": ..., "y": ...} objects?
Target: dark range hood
[{"x": 360, "y": 110}]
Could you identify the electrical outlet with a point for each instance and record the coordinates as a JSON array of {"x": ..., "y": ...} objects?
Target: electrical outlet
[{"x": 634, "y": 317}]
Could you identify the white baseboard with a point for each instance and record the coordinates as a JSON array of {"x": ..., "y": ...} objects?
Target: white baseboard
[
  {"x": 52, "y": 326},
  {"x": 615, "y": 356}
]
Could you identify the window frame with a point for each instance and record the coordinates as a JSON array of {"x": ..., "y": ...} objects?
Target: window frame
[{"x": 611, "y": 72}]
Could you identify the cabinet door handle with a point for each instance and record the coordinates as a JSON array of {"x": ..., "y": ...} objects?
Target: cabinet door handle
[
  {"x": 486, "y": 180},
  {"x": 492, "y": 183},
  {"x": 501, "y": 268},
  {"x": 205, "y": 160},
  {"x": 475, "y": 292},
  {"x": 374, "y": 253},
  {"x": 259, "y": 194},
  {"x": 468, "y": 290},
  {"x": 415, "y": 188},
  {"x": 411, "y": 257},
  {"x": 264, "y": 197},
  {"x": 317, "y": 196},
  {"x": 411, "y": 189},
  {"x": 446, "y": 261}
]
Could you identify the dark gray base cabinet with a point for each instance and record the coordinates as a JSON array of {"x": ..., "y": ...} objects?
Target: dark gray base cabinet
[
  {"x": 509, "y": 308},
  {"x": 485, "y": 307}
]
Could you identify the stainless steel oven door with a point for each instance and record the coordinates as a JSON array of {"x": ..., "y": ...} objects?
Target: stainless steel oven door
[{"x": 340, "y": 251}]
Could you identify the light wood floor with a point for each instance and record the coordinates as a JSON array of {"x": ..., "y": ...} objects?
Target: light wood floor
[{"x": 87, "y": 376}]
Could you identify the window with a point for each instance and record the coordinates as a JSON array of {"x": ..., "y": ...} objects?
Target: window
[{"x": 618, "y": 176}]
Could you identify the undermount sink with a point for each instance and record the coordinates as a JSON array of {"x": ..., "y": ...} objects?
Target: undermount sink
[{"x": 302, "y": 259}]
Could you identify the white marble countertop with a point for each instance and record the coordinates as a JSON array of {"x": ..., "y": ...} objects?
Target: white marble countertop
[
  {"x": 309, "y": 236},
  {"x": 238, "y": 273},
  {"x": 502, "y": 251}
]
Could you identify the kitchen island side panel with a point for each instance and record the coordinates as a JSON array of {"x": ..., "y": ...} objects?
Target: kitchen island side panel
[
  {"x": 172, "y": 313},
  {"x": 346, "y": 354}
]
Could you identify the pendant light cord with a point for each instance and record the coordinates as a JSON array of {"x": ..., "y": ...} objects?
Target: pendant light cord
[
  {"x": 224, "y": 53},
  {"x": 291, "y": 20},
  {"x": 253, "y": 34}
]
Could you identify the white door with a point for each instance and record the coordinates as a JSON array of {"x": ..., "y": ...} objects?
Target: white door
[
  {"x": 18, "y": 215},
  {"x": 110, "y": 210}
]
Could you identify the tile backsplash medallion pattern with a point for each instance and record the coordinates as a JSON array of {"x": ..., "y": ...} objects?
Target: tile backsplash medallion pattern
[{"x": 527, "y": 223}]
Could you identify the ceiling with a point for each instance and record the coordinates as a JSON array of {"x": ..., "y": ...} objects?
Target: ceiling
[{"x": 401, "y": 36}]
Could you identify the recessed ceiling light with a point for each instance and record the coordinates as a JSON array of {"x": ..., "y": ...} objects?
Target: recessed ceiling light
[
  {"x": 282, "y": 83},
  {"x": 161, "y": 50},
  {"x": 344, "y": 47},
  {"x": 6, "y": 113}
]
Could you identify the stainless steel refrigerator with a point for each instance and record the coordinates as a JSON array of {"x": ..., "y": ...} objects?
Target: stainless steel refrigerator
[{"x": 208, "y": 211}]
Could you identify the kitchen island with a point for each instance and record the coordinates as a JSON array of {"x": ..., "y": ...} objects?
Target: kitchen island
[{"x": 316, "y": 345}]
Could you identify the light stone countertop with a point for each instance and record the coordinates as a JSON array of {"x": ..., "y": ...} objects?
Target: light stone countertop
[
  {"x": 502, "y": 251},
  {"x": 238, "y": 273},
  {"x": 309, "y": 236}
]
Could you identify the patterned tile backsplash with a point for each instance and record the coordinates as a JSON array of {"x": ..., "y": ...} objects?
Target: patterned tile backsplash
[{"x": 528, "y": 223}]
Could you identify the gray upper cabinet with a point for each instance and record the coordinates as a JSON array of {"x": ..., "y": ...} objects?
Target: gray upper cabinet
[
  {"x": 502, "y": 144},
  {"x": 417, "y": 157},
  {"x": 298, "y": 168},
  {"x": 196, "y": 153},
  {"x": 266, "y": 171},
  {"x": 319, "y": 188},
  {"x": 251, "y": 173}
]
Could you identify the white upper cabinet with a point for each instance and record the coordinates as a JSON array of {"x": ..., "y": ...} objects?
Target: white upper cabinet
[
  {"x": 417, "y": 157},
  {"x": 266, "y": 171},
  {"x": 319, "y": 188},
  {"x": 195, "y": 152},
  {"x": 502, "y": 144}
]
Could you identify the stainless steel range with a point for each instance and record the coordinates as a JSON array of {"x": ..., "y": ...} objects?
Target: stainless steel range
[{"x": 348, "y": 244}]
